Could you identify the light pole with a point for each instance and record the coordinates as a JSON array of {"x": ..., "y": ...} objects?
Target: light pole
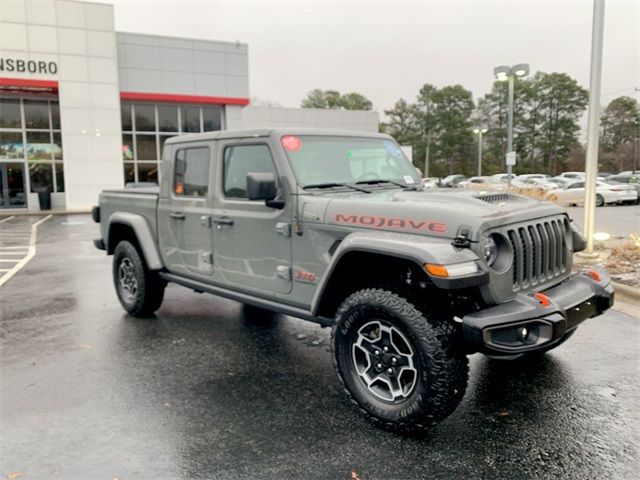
[
  {"x": 593, "y": 127},
  {"x": 504, "y": 73},
  {"x": 479, "y": 132}
]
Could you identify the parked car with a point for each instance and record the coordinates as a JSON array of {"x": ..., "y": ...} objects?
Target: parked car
[
  {"x": 410, "y": 281},
  {"x": 473, "y": 182},
  {"x": 631, "y": 179},
  {"x": 604, "y": 175},
  {"x": 561, "y": 182},
  {"x": 430, "y": 182},
  {"x": 452, "y": 181},
  {"x": 574, "y": 175},
  {"x": 606, "y": 193},
  {"x": 499, "y": 181},
  {"x": 538, "y": 183},
  {"x": 525, "y": 176}
]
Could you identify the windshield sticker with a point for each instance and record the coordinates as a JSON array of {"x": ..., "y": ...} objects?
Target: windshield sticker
[
  {"x": 393, "y": 149},
  {"x": 408, "y": 179},
  {"x": 291, "y": 143}
]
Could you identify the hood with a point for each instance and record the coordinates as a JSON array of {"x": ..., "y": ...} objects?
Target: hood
[{"x": 437, "y": 213}]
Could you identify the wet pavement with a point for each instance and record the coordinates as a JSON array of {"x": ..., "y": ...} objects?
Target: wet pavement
[{"x": 209, "y": 389}]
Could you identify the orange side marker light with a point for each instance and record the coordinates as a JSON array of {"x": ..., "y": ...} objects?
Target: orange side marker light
[{"x": 436, "y": 270}]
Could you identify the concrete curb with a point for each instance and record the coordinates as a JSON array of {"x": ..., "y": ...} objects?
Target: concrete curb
[{"x": 627, "y": 293}]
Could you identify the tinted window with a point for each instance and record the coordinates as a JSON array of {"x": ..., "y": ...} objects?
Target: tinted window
[
  {"x": 576, "y": 185},
  {"x": 125, "y": 112},
  {"x": 620, "y": 179},
  {"x": 10, "y": 117},
  {"x": 167, "y": 118},
  {"x": 212, "y": 118},
  {"x": 240, "y": 160},
  {"x": 191, "y": 178},
  {"x": 36, "y": 114},
  {"x": 190, "y": 119},
  {"x": 145, "y": 118}
]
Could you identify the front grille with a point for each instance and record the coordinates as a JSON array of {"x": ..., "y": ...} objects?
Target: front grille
[{"x": 540, "y": 252}]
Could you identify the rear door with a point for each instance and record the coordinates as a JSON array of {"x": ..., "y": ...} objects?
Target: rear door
[
  {"x": 184, "y": 211},
  {"x": 253, "y": 241}
]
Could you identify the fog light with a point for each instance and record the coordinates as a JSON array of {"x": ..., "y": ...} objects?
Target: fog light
[{"x": 523, "y": 333}]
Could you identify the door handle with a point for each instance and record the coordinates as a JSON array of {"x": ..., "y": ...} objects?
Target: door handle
[
  {"x": 223, "y": 221},
  {"x": 177, "y": 215}
]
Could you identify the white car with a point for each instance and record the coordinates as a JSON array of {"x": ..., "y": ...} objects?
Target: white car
[
  {"x": 473, "y": 182},
  {"x": 573, "y": 194},
  {"x": 430, "y": 182},
  {"x": 538, "y": 183},
  {"x": 573, "y": 175},
  {"x": 526, "y": 176}
]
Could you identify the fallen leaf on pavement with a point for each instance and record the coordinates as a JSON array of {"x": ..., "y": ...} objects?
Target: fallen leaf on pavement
[{"x": 15, "y": 475}]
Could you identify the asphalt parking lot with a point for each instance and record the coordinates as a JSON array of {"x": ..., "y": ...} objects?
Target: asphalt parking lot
[{"x": 208, "y": 389}]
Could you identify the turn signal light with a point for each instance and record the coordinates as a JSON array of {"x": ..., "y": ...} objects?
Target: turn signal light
[
  {"x": 436, "y": 270},
  {"x": 542, "y": 298},
  {"x": 594, "y": 275}
]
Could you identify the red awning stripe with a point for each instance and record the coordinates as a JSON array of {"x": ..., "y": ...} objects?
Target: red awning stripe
[
  {"x": 177, "y": 98},
  {"x": 28, "y": 84}
]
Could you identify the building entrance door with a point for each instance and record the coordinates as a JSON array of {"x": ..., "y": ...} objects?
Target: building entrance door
[{"x": 13, "y": 193}]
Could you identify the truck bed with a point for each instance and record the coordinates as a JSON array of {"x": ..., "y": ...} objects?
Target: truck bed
[{"x": 141, "y": 201}]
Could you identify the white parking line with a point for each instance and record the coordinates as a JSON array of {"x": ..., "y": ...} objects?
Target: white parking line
[
  {"x": 31, "y": 252},
  {"x": 7, "y": 219}
]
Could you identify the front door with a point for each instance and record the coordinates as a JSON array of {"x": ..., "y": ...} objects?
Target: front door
[
  {"x": 184, "y": 212},
  {"x": 253, "y": 241},
  {"x": 12, "y": 187}
]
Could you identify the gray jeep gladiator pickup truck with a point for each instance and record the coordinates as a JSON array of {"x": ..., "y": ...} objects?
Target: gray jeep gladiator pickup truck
[{"x": 334, "y": 227}]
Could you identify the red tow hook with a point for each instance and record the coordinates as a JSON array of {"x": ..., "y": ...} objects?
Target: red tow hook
[
  {"x": 595, "y": 275},
  {"x": 542, "y": 298}
]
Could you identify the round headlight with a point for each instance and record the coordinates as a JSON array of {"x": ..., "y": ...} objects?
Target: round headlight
[{"x": 490, "y": 251}]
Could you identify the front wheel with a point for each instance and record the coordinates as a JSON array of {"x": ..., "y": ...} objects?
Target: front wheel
[
  {"x": 403, "y": 370},
  {"x": 139, "y": 289}
]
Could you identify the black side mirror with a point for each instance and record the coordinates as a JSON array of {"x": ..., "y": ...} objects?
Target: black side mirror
[{"x": 261, "y": 186}]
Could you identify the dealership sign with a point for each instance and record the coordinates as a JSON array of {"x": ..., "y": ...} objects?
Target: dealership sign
[{"x": 28, "y": 66}]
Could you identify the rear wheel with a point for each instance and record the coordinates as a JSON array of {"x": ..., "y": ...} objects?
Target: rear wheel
[
  {"x": 139, "y": 290},
  {"x": 403, "y": 370},
  {"x": 599, "y": 200}
]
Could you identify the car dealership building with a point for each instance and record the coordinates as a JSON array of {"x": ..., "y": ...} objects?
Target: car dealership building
[{"x": 85, "y": 108}]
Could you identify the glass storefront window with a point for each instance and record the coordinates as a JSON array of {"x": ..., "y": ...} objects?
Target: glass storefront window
[
  {"x": 143, "y": 138},
  {"x": 211, "y": 118},
  {"x": 41, "y": 176},
  {"x": 145, "y": 118},
  {"x": 12, "y": 188},
  {"x": 146, "y": 147},
  {"x": 129, "y": 172},
  {"x": 10, "y": 116},
  {"x": 59, "y": 167},
  {"x": 148, "y": 172},
  {"x": 39, "y": 146},
  {"x": 57, "y": 146},
  {"x": 55, "y": 116},
  {"x": 36, "y": 114},
  {"x": 125, "y": 113},
  {"x": 190, "y": 119},
  {"x": 11, "y": 145},
  {"x": 167, "y": 118},
  {"x": 30, "y": 137},
  {"x": 127, "y": 147}
]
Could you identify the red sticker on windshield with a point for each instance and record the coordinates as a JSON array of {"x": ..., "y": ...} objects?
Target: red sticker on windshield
[{"x": 291, "y": 143}]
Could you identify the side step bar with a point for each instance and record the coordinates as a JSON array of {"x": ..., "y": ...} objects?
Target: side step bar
[{"x": 246, "y": 298}]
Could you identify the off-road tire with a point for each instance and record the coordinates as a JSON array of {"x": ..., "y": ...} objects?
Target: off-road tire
[
  {"x": 442, "y": 367},
  {"x": 149, "y": 287},
  {"x": 599, "y": 200}
]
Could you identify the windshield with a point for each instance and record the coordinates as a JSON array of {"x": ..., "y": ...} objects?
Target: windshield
[{"x": 318, "y": 160}]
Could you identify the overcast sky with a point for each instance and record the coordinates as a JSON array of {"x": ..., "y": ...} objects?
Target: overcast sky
[{"x": 388, "y": 50}]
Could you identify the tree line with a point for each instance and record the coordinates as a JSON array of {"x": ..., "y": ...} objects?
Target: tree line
[{"x": 548, "y": 108}]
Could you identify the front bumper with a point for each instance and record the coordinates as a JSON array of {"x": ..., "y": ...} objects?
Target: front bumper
[{"x": 525, "y": 324}]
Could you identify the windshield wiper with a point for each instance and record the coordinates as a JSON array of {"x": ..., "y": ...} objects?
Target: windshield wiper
[
  {"x": 336, "y": 184},
  {"x": 380, "y": 180}
]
